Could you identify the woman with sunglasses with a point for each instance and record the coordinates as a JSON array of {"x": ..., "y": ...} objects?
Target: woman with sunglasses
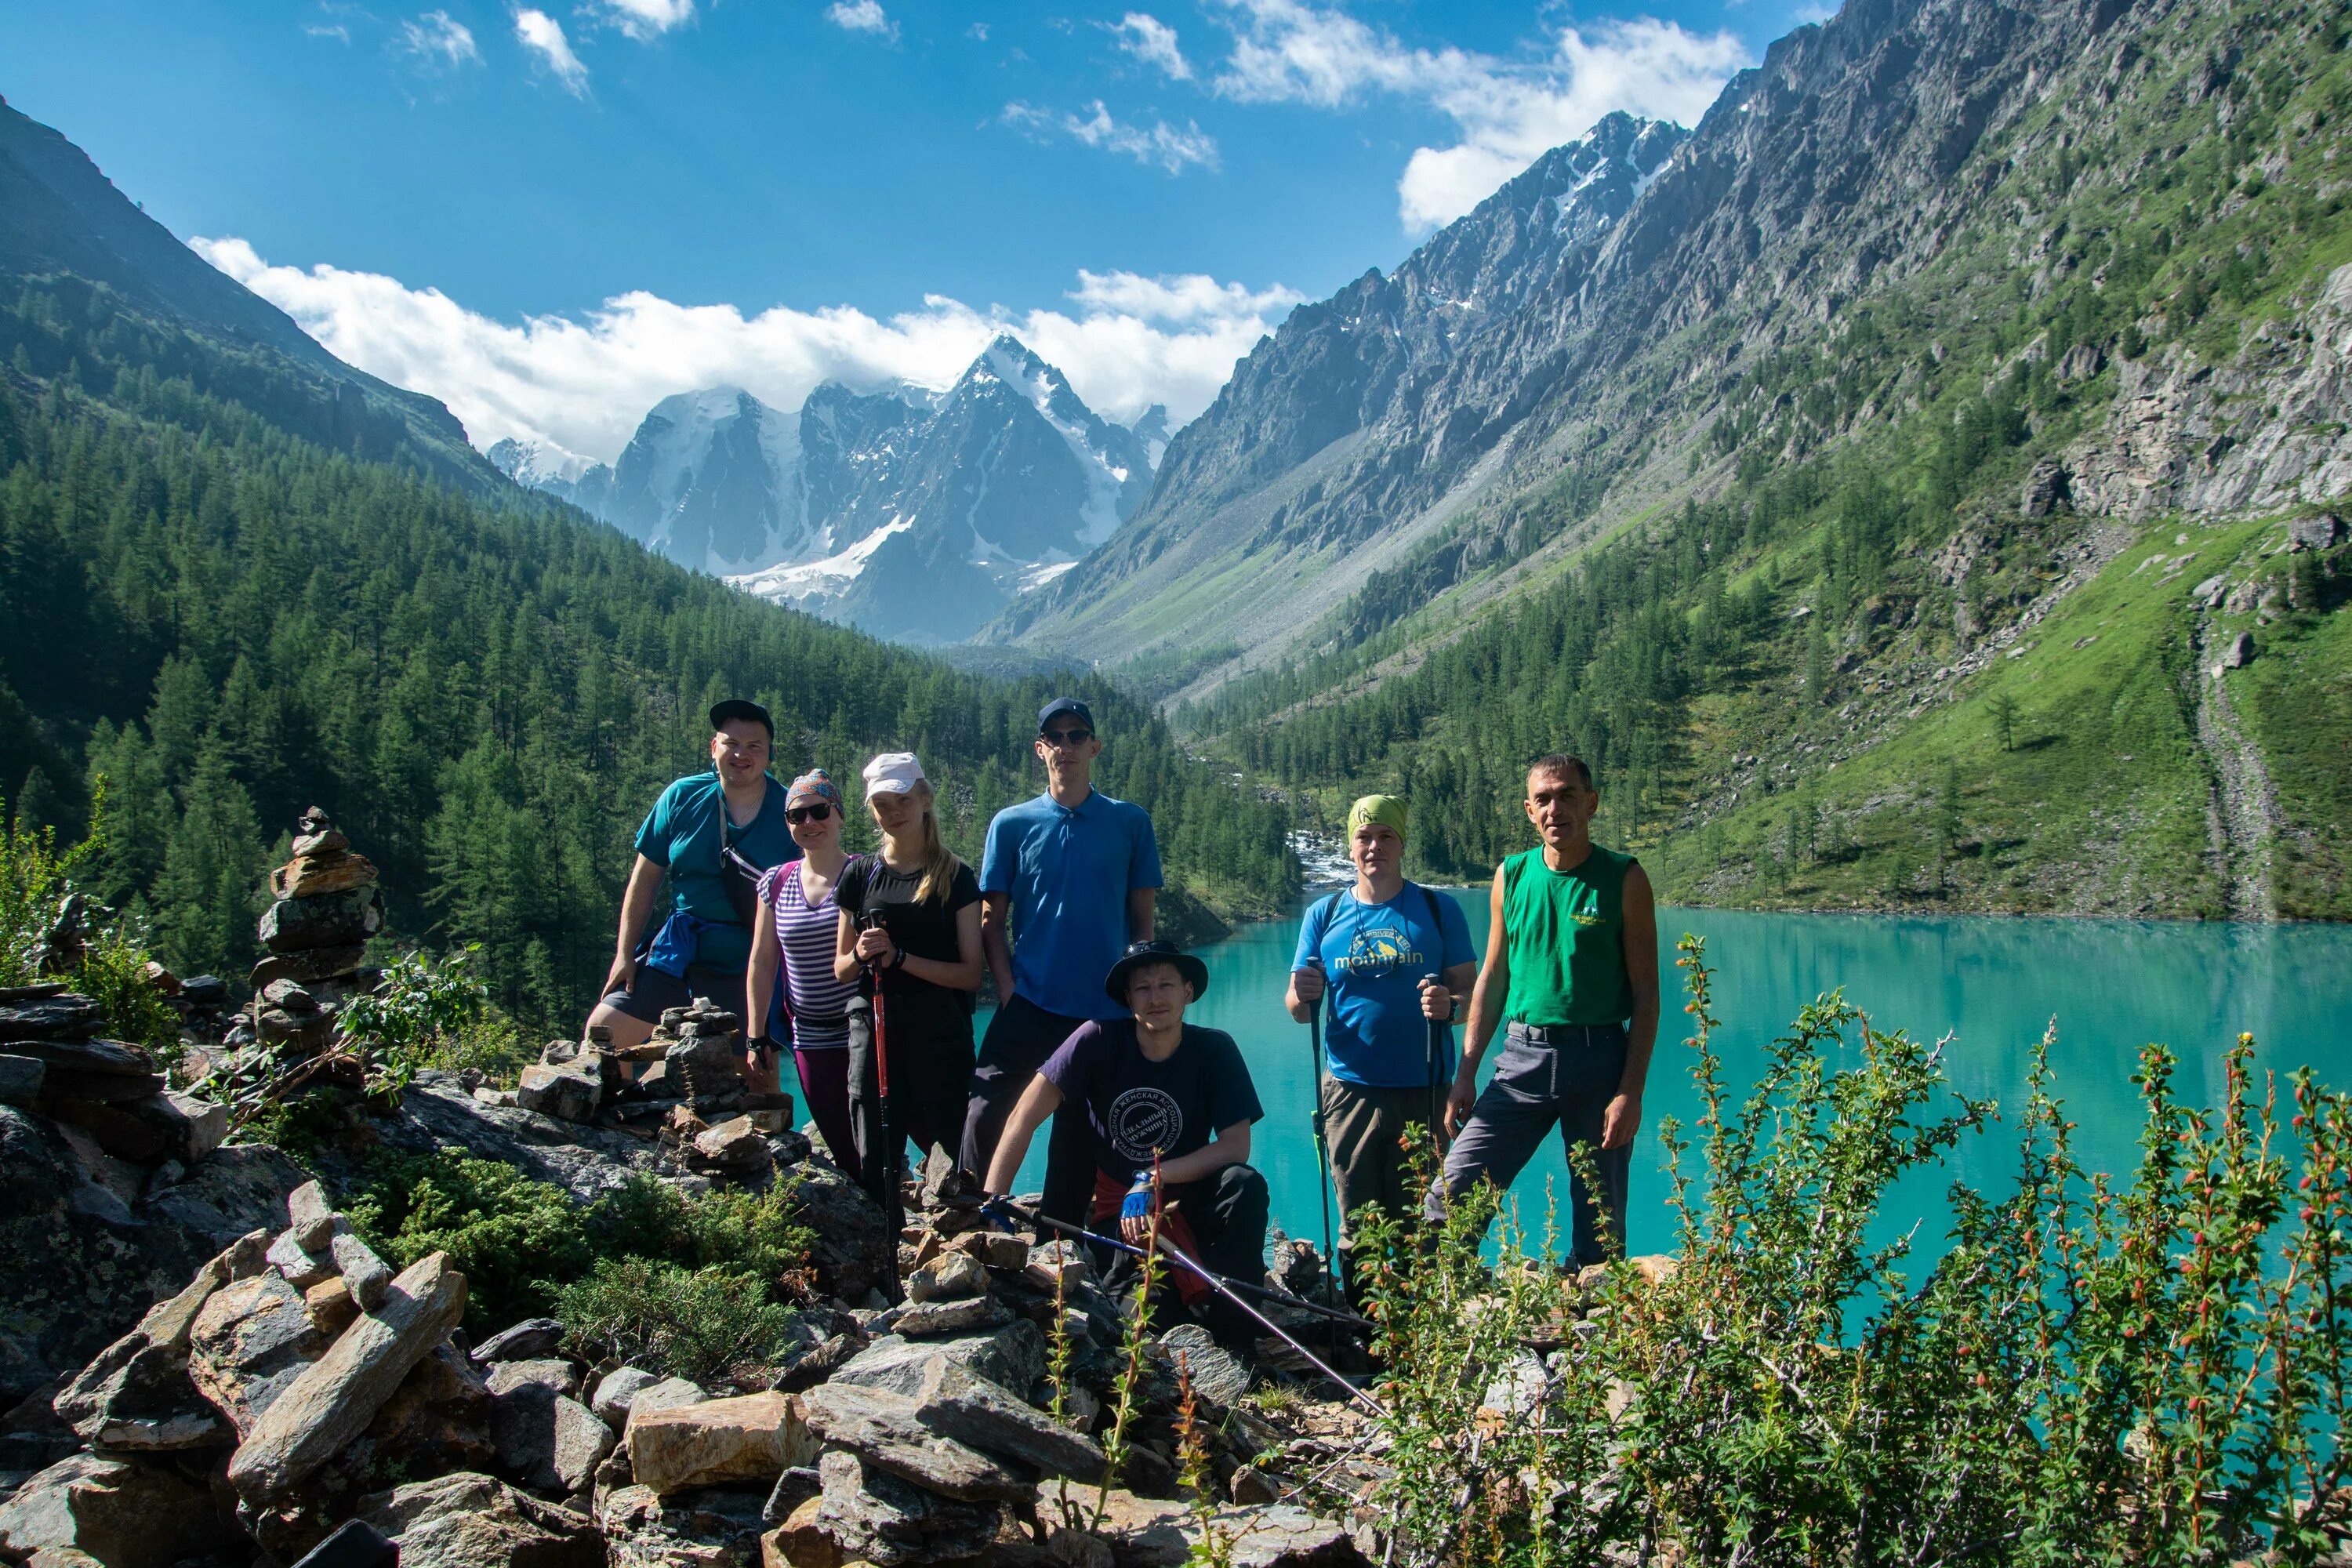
[
  {"x": 795, "y": 933},
  {"x": 908, "y": 936}
]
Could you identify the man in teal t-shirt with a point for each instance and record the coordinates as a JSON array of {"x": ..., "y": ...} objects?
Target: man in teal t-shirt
[
  {"x": 702, "y": 946},
  {"x": 1571, "y": 976},
  {"x": 1389, "y": 956}
]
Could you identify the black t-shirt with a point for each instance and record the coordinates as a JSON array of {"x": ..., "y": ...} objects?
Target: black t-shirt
[
  {"x": 925, "y": 929},
  {"x": 1135, "y": 1105}
]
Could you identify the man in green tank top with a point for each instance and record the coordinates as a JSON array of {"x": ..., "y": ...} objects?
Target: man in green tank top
[{"x": 1571, "y": 978}]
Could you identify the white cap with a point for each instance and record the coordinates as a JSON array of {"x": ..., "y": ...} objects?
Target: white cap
[{"x": 894, "y": 772}]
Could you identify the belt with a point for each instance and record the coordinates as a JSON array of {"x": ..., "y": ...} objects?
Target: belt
[{"x": 1561, "y": 1034}]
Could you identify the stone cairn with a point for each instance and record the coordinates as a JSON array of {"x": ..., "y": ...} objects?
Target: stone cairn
[
  {"x": 53, "y": 1062},
  {"x": 682, "y": 1089},
  {"x": 327, "y": 905}
]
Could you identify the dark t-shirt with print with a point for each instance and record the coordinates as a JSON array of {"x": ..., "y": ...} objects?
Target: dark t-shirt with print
[
  {"x": 1135, "y": 1105},
  {"x": 926, "y": 930}
]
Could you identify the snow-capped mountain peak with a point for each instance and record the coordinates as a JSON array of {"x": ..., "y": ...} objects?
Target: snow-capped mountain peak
[{"x": 916, "y": 514}]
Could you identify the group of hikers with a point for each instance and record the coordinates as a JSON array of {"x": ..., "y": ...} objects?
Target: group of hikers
[{"x": 869, "y": 967}]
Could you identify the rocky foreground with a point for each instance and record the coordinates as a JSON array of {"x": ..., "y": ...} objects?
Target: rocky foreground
[{"x": 202, "y": 1363}]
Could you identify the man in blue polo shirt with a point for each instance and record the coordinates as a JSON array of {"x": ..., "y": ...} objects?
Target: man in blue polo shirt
[{"x": 1075, "y": 876}]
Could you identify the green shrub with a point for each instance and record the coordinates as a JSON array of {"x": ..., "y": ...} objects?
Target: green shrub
[
  {"x": 643, "y": 1267},
  {"x": 515, "y": 1239},
  {"x": 2095, "y": 1372},
  {"x": 693, "y": 1323},
  {"x": 35, "y": 879}
]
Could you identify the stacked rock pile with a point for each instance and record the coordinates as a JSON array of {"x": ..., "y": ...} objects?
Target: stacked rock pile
[
  {"x": 326, "y": 906},
  {"x": 276, "y": 1399},
  {"x": 52, "y": 1061},
  {"x": 683, "y": 1088}
]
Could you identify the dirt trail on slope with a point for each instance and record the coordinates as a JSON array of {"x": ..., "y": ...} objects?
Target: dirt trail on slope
[{"x": 2243, "y": 814}]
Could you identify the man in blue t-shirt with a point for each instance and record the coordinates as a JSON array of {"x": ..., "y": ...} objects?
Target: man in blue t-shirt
[
  {"x": 709, "y": 835},
  {"x": 1391, "y": 956},
  {"x": 1075, "y": 876}
]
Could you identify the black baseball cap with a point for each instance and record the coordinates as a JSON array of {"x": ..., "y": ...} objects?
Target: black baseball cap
[
  {"x": 735, "y": 707},
  {"x": 1061, "y": 705}
]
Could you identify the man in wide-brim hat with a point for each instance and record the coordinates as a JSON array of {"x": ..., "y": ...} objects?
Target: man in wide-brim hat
[{"x": 1169, "y": 1107}]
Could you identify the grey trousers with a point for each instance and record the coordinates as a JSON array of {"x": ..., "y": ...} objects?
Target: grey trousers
[{"x": 1570, "y": 1082}]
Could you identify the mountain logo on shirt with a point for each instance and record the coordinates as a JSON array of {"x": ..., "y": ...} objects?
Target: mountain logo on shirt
[
  {"x": 1379, "y": 949},
  {"x": 1142, "y": 1120}
]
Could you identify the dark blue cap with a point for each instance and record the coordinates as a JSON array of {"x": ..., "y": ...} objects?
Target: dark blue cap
[{"x": 1059, "y": 706}]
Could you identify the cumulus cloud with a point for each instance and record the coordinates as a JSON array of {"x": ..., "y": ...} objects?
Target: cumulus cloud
[
  {"x": 1154, "y": 42},
  {"x": 1507, "y": 111},
  {"x": 1126, "y": 341},
  {"x": 642, "y": 19},
  {"x": 1158, "y": 144},
  {"x": 543, "y": 35},
  {"x": 437, "y": 39},
  {"x": 862, "y": 16}
]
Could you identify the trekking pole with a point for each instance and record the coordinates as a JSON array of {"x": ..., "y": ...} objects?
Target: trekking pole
[
  {"x": 1224, "y": 1287},
  {"x": 1229, "y": 1288},
  {"x": 1263, "y": 1293},
  {"x": 1436, "y": 1032},
  {"x": 890, "y": 1162},
  {"x": 1322, "y": 1143}
]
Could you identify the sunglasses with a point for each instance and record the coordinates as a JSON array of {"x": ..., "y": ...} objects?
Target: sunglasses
[
  {"x": 800, "y": 814},
  {"x": 1066, "y": 737}
]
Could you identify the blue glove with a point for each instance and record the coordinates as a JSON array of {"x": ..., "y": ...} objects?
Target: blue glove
[
  {"x": 1000, "y": 1216},
  {"x": 1138, "y": 1203}
]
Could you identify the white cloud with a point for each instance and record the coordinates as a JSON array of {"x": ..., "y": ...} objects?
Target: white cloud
[
  {"x": 862, "y": 16},
  {"x": 978, "y": 31},
  {"x": 334, "y": 30},
  {"x": 1507, "y": 111},
  {"x": 437, "y": 40},
  {"x": 1154, "y": 42},
  {"x": 543, "y": 35},
  {"x": 1160, "y": 144},
  {"x": 1125, "y": 343},
  {"x": 642, "y": 19}
]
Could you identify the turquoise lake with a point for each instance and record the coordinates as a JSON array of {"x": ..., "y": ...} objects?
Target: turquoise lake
[{"x": 1992, "y": 983}]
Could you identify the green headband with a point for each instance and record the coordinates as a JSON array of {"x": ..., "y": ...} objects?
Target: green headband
[{"x": 1385, "y": 809}]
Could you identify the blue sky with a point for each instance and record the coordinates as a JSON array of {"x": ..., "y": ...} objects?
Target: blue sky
[{"x": 551, "y": 215}]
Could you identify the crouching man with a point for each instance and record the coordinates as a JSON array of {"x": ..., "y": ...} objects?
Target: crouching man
[{"x": 1166, "y": 1096}]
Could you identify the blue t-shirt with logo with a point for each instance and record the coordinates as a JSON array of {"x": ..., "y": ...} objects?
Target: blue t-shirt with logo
[
  {"x": 682, "y": 834},
  {"x": 1374, "y": 956},
  {"x": 1065, "y": 873}
]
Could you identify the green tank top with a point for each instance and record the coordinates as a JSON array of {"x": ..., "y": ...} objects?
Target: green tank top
[{"x": 1567, "y": 940}]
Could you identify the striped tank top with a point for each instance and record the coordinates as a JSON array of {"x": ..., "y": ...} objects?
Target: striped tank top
[{"x": 807, "y": 934}]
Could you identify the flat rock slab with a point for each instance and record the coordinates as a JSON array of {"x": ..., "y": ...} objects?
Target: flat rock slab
[
  {"x": 136, "y": 1395},
  {"x": 469, "y": 1521},
  {"x": 546, "y": 1440},
  {"x": 121, "y": 1513},
  {"x": 554, "y": 1375},
  {"x": 1011, "y": 1357},
  {"x": 526, "y": 1341},
  {"x": 65, "y": 1016},
  {"x": 250, "y": 1340},
  {"x": 20, "y": 1080},
  {"x": 336, "y": 1396},
  {"x": 934, "y": 1320},
  {"x": 955, "y": 1403},
  {"x": 569, "y": 1091},
  {"x": 713, "y": 1527},
  {"x": 1218, "y": 1374},
  {"x": 873, "y": 1516},
  {"x": 322, "y": 919},
  {"x": 886, "y": 1431},
  {"x": 752, "y": 1437}
]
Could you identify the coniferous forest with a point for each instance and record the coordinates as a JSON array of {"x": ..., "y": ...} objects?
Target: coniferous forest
[{"x": 217, "y": 619}]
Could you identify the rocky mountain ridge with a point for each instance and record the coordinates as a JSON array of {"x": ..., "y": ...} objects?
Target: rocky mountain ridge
[
  {"x": 65, "y": 219},
  {"x": 913, "y": 515},
  {"x": 1336, "y": 431}
]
